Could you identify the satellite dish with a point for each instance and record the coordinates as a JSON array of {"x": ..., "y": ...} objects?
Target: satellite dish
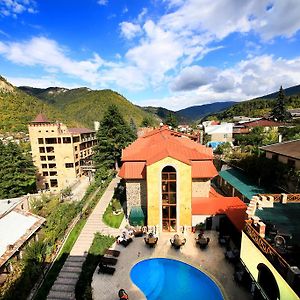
[{"x": 279, "y": 241}]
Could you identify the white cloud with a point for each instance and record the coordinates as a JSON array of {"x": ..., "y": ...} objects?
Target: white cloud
[
  {"x": 130, "y": 30},
  {"x": 40, "y": 51},
  {"x": 16, "y": 7},
  {"x": 102, "y": 2}
]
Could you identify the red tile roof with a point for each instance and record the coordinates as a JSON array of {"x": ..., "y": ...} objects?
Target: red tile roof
[
  {"x": 233, "y": 207},
  {"x": 80, "y": 130},
  {"x": 262, "y": 122},
  {"x": 133, "y": 170},
  {"x": 203, "y": 169},
  {"x": 41, "y": 118},
  {"x": 163, "y": 142}
]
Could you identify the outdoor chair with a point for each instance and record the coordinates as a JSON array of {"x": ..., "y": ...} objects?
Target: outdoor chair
[
  {"x": 203, "y": 242},
  {"x": 151, "y": 241},
  {"x": 105, "y": 269},
  {"x": 108, "y": 260},
  {"x": 112, "y": 252},
  {"x": 177, "y": 242}
]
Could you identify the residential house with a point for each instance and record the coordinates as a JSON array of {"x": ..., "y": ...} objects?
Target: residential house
[{"x": 285, "y": 152}]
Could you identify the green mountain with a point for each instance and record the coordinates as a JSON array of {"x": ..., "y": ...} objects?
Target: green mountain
[
  {"x": 18, "y": 109},
  {"x": 86, "y": 105},
  {"x": 162, "y": 113},
  {"x": 261, "y": 106},
  {"x": 195, "y": 113}
]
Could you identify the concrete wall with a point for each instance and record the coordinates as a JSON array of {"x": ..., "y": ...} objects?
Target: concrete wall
[
  {"x": 200, "y": 187},
  {"x": 252, "y": 256},
  {"x": 221, "y": 137},
  {"x": 136, "y": 193},
  {"x": 184, "y": 192}
]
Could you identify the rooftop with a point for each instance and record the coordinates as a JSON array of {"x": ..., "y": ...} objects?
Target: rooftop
[
  {"x": 262, "y": 122},
  {"x": 7, "y": 205},
  {"x": 41, "y": 118},
  {"x": 242, "y": 183},
  {"x": 15, "y": 228},
  {"x": 80, "y": 130},
  {"x": 285, "y": 217},
  {"x": 290, "y": 148}
]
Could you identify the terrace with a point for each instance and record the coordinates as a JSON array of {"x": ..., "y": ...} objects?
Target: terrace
[{"x": 211, "y": 261}]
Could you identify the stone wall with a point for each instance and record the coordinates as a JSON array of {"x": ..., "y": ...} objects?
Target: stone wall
[
  {"x": 136, "y": 193},
  {"x": 200, "y": 187}
]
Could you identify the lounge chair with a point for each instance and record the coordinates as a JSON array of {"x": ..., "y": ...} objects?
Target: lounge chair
[
  {"x": 151, "y": 241},
  {"x": 108, "y": 261},
  {"x": 105, "y": 269},
  {"x": 112, "y": 252},
  {"x": 203, "y": 242},
  {"x": 177, "y": 241}
]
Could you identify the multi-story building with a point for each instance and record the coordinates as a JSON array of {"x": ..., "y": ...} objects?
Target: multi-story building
[{"x": 61, "y": 155}]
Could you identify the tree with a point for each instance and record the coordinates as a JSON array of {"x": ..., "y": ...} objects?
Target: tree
[
  {"x": 113, "y": 136},
  {"x": 279, "y": 112},
  {"x": 133, "y": 127},
  {"x": 17, "y": 172},
  {"x": 147, "y": 122},
  {"x": 172, "y": 120}
]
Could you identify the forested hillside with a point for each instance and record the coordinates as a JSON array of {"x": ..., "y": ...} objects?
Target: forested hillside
[
  {"x": 18, "y": 108},
  {"x": 86, "y": 105}
]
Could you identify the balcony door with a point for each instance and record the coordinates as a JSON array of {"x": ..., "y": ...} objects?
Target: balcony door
[{"x": 169, "y": 199}]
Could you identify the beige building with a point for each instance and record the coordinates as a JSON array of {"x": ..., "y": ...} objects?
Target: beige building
[{"x": 60, "y": 154}]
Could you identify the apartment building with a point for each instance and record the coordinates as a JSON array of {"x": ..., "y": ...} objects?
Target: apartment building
[{"x": 60, "y": 154}]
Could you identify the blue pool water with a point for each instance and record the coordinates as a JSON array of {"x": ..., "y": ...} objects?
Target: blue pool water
[{"x": 165, "y": 279}]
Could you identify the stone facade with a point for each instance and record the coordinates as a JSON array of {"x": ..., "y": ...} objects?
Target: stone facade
[
  {"x": 200, "y": 187},
  {"x": 136, "y": 193}
]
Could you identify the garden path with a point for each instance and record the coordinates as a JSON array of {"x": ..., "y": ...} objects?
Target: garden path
[{"x": 64, "y": 286}]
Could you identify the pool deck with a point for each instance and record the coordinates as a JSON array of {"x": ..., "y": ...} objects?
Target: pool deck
[{"x": 211, "y": 261}]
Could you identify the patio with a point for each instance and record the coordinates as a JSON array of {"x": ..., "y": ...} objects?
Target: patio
[{"x": 210, "y": 260}]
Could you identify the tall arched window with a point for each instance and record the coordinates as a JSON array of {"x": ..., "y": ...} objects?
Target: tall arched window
[{"x": 168, "y": 189}]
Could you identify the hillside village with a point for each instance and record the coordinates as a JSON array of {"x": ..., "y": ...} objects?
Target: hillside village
[{"x": 233, "y": 185}]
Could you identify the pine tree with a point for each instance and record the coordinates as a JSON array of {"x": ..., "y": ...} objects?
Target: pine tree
[
  {"x": 113, "y": 135},
  {"x": 133, "y": 128},
  {"x": 17, "y": 173},
  {"x": 171, "y": 120},
  {"x": 279, "y": 112}
]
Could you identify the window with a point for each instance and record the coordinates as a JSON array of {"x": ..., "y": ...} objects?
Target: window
[
  {"x": 41, "y": 140},
  {"x": 59, "y": 140},
  {"x": 76, "y": 156},
  {"x": 69, "y": 165},
  {"x": 51, "y": 166},
  {"x": 44, "y": 166},
  {"x": 76, "y": 139},
  {"x": 51, "y": 157},
  {"x": 66, "y": 140},
  {"x": 77, "y": 163},
  {"x": 53, "y": 173},
  {"x": 76, "y": 148},
  {"x": 42, "y": 150},
  {"x": 43, "y": 158},
  {"x": 50, "y": 149},
  {"x": 53, "y": 183},
  {"x": 45, "y": 173},
  {"x": 51, "y": 141}
]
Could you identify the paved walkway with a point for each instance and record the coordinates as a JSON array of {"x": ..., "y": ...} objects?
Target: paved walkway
[{"x": 64, "y": 286}]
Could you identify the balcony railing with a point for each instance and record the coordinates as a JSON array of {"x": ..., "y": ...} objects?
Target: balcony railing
[
  {"x": 271, "y": 254},
  {"x": 278, "y": 197}
]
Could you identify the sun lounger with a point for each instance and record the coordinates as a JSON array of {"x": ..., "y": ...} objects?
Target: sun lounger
[
  {"x": 203, "y": 242},
  {"x": 106, "y": 270},
  {"x": 126, "y": 242},
  {"x": 112, "y": 252},
  {"x": 108, "y": 260}
]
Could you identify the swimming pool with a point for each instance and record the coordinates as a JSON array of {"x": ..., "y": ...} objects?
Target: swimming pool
[{"x": 164, "y": 279}]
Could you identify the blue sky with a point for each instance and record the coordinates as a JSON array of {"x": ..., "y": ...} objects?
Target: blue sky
[{"x": 170, "y": 53}]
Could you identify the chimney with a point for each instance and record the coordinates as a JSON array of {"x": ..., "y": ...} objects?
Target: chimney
[{"x": 96, "y": 125}]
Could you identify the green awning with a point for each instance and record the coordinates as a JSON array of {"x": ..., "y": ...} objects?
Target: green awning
[{"x": 136, "y": 216}]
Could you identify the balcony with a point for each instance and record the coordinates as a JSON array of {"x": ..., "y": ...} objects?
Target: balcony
[{"x": 278, "y": 257}]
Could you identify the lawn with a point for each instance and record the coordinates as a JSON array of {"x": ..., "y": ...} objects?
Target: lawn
[{"x": 110, "y": 217}]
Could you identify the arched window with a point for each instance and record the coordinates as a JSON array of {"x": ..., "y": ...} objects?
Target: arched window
[
  {"x": 168, "y": 191},
  {"x": 267, "y": 282}
]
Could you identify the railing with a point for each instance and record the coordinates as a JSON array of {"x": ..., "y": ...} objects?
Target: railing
[
  {"x": 278, "y": 197},
  {"x": 271, "y": 254},
  {"x": 88, "y": 168}
]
